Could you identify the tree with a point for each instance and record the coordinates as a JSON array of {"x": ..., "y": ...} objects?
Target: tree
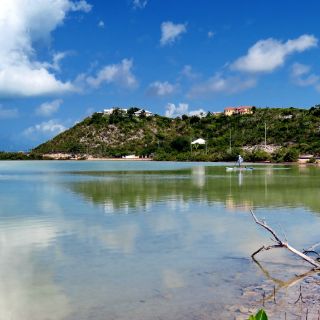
[
  {"x": 132, "y": 110},
  {"x": 180, "y": 144}
]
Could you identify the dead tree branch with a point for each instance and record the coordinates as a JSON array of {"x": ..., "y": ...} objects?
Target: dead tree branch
[
  {"x": 312, "y": 249},
  {"x": 281, "y": 244}
]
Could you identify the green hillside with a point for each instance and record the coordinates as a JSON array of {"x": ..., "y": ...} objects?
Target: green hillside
[{"x": 294, "y": 130}]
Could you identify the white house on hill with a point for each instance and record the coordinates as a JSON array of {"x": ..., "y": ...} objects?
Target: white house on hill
[
  {"x": 146, "y": 112},
  {"x": 125, "y": 110}
]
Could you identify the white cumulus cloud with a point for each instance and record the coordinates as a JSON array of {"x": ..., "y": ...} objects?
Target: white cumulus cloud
[
  {"x": 101, "y": 24},
  {"x": 6, "y": 113},
  {"x": 46, "y": 109},
  {"x": 219, "y": 83},
  {"x": 302, "y": 76},
  {"x": 57, "y": 58},
  {"x": 44, "y": 129},
  {"x": 211, "y": 34},
  {"x": 173, "y": 110},
  {"x": 188, "y": 73},
  {"x": 161, "y": 89},
  {"x": 81, "y": 5},
  {"x": 198, "y": 112},
  {"x": 120, "y": 74},
  {"x": 267, "y": 55},
  {"x": 139, "y": 3},
  {"x": 299, "y": 69},
  {"x": 22, "y": 23},
  {"x": 170, "y": 32}
]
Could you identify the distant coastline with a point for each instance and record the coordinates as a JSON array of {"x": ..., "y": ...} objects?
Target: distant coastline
[
  {"x": 21, "y": 156},
  {"x": 276, "y": 135}
]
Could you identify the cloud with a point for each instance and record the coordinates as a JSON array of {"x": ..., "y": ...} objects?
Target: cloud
[
  {"x": 57, "y": 57},
  {"x": 120, "y": 74},
  {"x": 22, "y": 23},
  {"x": 139, "y": 4},
  {"x": 197, "y": 112},
  {"x": 267, "y": 55},
  {"x": 46, "y": 109},
  {"x": 222, "y": 84},
  {"x": 48, "y": 129},
  {"x": 161, "y": 89},
  {"x": 302, "y": 76},
  {"x": 173, "y": 111},
  {"x": 170, "y": 32},
  {"x": 81, "y": 5},
  {"x": 8, "y": 113},
  {"x": 101, "y": 24},
  {"x": 188, "y": 73},
  {"x": 56, "y": 61},
  {"x": 26, "y": 81},
  {"x": 299, "y": 69},
  {"x": 211, "y": 34}
]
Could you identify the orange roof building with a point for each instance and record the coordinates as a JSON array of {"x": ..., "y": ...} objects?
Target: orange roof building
[{"x": 229, "y": 111}]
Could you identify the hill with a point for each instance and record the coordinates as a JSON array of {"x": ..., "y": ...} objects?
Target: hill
[{"x": 289, "y": 130}]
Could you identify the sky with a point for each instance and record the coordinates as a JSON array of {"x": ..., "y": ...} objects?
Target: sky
[{"x": 62, "y": 60}]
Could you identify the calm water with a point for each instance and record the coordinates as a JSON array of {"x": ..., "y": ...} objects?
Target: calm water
[{"x": 143, "y": 240}]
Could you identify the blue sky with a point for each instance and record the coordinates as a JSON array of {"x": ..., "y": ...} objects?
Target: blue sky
[{"x": 61, "y": 60}]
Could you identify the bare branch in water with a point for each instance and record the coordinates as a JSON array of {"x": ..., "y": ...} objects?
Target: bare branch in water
[{"x": 281, "y": 244}]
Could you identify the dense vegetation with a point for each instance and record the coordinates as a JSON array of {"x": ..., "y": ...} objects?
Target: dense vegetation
[
  {"x": 293, "y": 130},
  {"x": 19, "y": 156}
]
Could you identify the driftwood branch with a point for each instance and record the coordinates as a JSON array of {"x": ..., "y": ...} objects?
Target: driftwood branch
[
  {"x": 312, "y": 249},
  {"x": 281, "y": 244}
]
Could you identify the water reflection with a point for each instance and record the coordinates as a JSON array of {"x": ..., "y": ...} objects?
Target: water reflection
[
  {"x": 121, "y": 239},
  {"x": 199, "y": 176},
  {"x": 24, "y": 280},
  {"x": 69, "y": 254},
  {"x": 172, "y": 279},
  {"x": 264, "y": 187}
]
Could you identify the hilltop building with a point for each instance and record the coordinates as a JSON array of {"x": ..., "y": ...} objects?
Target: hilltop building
[
  {"x": 229, "y": 111},
  {"x": 141, "y": 111},
  {"x": 110, "y": 111},
  {"x": 125, "y": 110}
]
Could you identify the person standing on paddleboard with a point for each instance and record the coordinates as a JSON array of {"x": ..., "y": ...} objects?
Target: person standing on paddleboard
[{"x": 240, "y": 160}]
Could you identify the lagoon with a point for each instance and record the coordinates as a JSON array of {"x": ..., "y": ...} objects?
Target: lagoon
[{"x": 144, "y": 240}]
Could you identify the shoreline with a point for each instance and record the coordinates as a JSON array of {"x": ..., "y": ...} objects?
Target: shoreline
[
  {"x": 280, "y": 300},
  {"x": 303, "y": 161},
  {"x": 230, "y": 163}
]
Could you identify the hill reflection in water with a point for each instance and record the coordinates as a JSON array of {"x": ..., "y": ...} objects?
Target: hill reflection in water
[{"x": 264, "y": 187}]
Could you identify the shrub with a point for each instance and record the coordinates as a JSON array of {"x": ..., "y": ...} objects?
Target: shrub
[
  {"x": 312, "y": 160},
  {"x": 261, "y": 315},
  {"x": 291, "y": 155},
  {"x": 181, "y": 144}
]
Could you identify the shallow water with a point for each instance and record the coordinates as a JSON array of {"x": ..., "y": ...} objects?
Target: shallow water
[{"x": 144, "y": 240}]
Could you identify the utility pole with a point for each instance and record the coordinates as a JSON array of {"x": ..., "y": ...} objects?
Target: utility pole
[
  {"x": 207, "y": 145},
  {"x": 230, "y": 149},
  {"x": 265, "y": 135}
]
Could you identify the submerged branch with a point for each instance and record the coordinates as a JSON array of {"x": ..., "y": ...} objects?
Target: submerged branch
[{"x": 280, "y": 284}]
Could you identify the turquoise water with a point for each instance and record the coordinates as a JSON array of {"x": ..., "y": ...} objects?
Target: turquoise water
[{"x": 143, "y": 240}]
